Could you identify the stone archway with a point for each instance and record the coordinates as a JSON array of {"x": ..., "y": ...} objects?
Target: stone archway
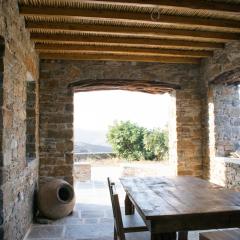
[
  {"x": 56, "y": 109},
  {"x": 223, "y": 126},
  {"x": 226, "y": 99}
]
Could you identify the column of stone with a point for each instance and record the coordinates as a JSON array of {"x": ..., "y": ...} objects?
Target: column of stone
[
  {"x": 208, "y": 131},
  {"x": 56, "y": 123},
  {"x": 189, "y": 125},
  {"x": 172, "y": 131},
  {"x": 1, "y": 135}
]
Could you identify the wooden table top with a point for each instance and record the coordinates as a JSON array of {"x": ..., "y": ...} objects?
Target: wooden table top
[{"x": 184, "y": 198}]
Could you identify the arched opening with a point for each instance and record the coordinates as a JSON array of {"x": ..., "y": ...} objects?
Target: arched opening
[
  {"x": 92, "y": 160},
  {"x": 226, "y": 99},
  {"x": 225, "y": 128}
]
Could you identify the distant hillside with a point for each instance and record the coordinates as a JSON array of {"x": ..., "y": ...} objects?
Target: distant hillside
[
  {"x": 81, "y": 147},
  {"x": 90, "y": 137}
]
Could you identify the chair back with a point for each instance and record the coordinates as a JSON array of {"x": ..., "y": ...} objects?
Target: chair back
[{"x": 118, "y": 223}]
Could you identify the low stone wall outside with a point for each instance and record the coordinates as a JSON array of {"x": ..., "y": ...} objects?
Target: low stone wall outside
[
  {"x": 142, "y": 170},
  {"x": 82, "y": 171},
  {"x": 99, "y": 166},
  {"x": 79, "y": 157}
]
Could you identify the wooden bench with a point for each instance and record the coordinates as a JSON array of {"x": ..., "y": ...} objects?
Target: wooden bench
[
  {"x": 124, "y": 226},
  {"x": 231, "y": 234}
]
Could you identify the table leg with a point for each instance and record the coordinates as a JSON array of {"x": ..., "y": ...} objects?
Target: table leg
[
  {"x": 183, "y": 235},
  {"x": 129, "y": 207},
  {"x": 164, "y": 236}
]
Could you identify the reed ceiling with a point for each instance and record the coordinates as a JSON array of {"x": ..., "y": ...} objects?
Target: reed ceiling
[{"x": 170, "y": 31}]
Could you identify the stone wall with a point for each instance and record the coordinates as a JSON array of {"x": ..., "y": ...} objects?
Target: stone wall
[
  {"x": 189, "y": 125},
  {"x": 226, "y": 100},
  {"x": 221, "y": 62},
  {"x": 31, "y": 116},
  {"x": 56, "y": 122},
  {"x": 18, "y": 177},
  {"x": 2, "y": 49},
  {"x": 56, "y": 109},
  {"x": 227, "y": 172}
]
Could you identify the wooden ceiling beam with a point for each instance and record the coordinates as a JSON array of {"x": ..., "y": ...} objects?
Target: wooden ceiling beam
[
  {"x": 80, "y": 27},
  {"x": 189, "y": 4},
  {"x": 132, "y": 16},
  {"x": 112, "y": 57},
  {"x": 40, "y": 47},
  {"x": 74, "y": 38}
]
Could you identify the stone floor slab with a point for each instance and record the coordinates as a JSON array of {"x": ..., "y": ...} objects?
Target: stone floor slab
[
  {"x": 46, "y": 231},
  {"x": 89, "y": 231},
  {"x": 92, "y": 218},
  {"x": 92, "y": 214}
]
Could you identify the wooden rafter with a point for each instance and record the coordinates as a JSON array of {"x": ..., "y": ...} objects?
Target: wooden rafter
[
  {"x": 76, "y": 38},
  {"x": 149, "y": 86},
  {"x": 120, "y": 57},
  {"x": 167, "y": 31},
  {"x": 129, "y": 16},
  {"x": 100, "y": 28},
  {"x": 121, "y": 49},
  {"x": 189, "y": 4}
]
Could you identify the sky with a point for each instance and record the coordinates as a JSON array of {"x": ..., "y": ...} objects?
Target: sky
[{"x": 97, "y": 110}]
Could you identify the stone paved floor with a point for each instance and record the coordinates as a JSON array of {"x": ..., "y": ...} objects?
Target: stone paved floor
[{"x": 91, "y": 220}]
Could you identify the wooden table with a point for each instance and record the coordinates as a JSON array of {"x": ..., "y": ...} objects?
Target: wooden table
[{"x": 179, "y": 204}]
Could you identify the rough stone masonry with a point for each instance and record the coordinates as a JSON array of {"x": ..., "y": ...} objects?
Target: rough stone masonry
[
  {"x": 221, "y": 108},
  {"x": 18, "y": 177},
  {"x": 23, "y": 95},
  {"x": 56, "y": 109}
]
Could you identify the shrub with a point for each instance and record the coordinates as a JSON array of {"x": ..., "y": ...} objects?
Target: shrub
[
  {"x": 126, "y": 139},
  {"x": 132, "y": 142},
  {"x": 156, "y": 142}
]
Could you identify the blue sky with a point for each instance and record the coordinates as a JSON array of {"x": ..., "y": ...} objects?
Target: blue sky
[{"x": 97, "y": 110}]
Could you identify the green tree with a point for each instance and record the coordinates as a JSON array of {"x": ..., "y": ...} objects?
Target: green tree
[
  {"x": 132, "y": 142},
  {"x": 126, "y": 139},
  {"x": 156, "y": 142}
]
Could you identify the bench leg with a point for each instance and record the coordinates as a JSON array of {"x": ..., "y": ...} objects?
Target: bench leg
[
  {"x": 115, "y": 233},
  {"x": 183, "y": 235},
  {"x": 129, "y": 207}
]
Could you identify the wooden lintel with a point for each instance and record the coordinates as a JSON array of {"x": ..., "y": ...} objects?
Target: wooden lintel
[
  {"x": 40, "y": 47},
  {"x": 100, "y": 28},
  {"x": 150, "y": 86},
  {"x": 28, "y": 10},
  {"x": 76, "y": 38},
  {"x": 231, "y": 77},
  {"x": 112, "y": 57}
]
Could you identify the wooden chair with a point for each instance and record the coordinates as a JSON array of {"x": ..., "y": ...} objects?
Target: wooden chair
[
  {"x": 231, "y": 234},
  {"x": 123, "y": 226}
]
